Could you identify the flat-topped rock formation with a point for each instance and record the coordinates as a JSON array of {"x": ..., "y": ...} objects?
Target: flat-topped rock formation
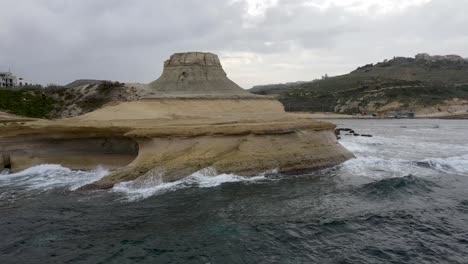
[
  {"x": 195, "y": 75},
  {"x": 193, "y": 118}
]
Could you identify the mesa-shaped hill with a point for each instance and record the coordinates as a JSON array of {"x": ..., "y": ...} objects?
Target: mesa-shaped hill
[{"x": 195, "y": 74}]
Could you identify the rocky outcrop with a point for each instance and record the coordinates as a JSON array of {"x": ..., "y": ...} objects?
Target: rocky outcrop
[
  {"x": 193, "y": 117},
  {"x": 195, "y": 75}
]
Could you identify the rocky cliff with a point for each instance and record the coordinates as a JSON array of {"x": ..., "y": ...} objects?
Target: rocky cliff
[{"x": 193, "y": 117}]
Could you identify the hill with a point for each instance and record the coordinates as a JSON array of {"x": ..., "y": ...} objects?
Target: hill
[
  {"x": 76, "y": 98},
  {"x": 422, "y": 84}
]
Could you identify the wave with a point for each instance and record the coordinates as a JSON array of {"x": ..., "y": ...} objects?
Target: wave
[
  {"x": 369, "y": 165},
  {"x": 384, "y": 167},
  {"x": 141, "y": 189},
  {"x": 457, "y": 164},
  {"x": 48, "y": 176},
  {"x": 392, "y": 186},
  {"x": 404, "y": 146}
]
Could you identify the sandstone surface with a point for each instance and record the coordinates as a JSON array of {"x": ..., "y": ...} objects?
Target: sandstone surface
[{"x": 193, "y": 117}]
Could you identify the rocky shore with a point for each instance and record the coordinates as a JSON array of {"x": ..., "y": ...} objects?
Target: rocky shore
[{"x": 193, "y": 117}]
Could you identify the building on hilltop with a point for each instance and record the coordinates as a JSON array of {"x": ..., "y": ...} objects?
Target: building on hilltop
[
  {"x": 8, "y": 79},
  {"x": 439, "y": 58}
]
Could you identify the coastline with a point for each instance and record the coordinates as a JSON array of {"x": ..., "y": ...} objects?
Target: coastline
[{"x": 449, "y": 116}]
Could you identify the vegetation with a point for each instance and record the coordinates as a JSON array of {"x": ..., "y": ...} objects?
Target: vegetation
[
  {"x": 403, "y": 80},
  {"x": 53, "y": 100},
  {"x": 101, "y": 97},
  {"x": 26, "y": 102},
  {"x": 106, "y": 87}
]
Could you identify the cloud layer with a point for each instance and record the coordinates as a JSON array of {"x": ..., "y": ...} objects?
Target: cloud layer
[{"x": 259, "y": 41}]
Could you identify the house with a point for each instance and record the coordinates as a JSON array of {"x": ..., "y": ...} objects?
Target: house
[{"x": 7, "y": 79}]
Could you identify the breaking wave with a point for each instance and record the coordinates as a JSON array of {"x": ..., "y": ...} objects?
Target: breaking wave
[
  {"x": 383, "y": 167},
  {"x": 207, "y": 178},
  {"x": 457, "y": 165},
  {"x": 50, "y": 176}
]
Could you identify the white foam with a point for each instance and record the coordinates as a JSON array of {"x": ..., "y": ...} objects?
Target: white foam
[
  {"x": 377, "y": 167},
  {"x": 357, "y": 147},
  {"x": 457, "y": 164},
  {"x": 49, "y": 176},
  {"x": 383, "y": 167},
  {"x": 149, "y": 186},
  {"x": 41, "y": 169},
  {"x": 415, "y": 153}
]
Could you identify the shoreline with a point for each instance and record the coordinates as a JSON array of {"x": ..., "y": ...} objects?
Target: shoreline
[{"x": 461, "y": 116}]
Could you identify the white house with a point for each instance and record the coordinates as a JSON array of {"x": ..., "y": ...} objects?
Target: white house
[{"x": 7, "y": 79}]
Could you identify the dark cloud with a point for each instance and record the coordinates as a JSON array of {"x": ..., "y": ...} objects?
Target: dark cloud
[{"x": 62, "y": 40}]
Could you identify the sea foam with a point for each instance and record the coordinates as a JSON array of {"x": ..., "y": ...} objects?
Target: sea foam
[
  {"x": 206, "y": 178},
  {"x": 49, "y": 176}
]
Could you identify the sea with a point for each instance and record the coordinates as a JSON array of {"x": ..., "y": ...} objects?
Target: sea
[{"x": 403, "y": 199}]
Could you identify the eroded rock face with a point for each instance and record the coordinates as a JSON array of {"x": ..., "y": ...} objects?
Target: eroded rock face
[
  {"x": 245, "y": 155},
  {"x": 195, "y": 75},
  {"x": 72, "y": 147}
]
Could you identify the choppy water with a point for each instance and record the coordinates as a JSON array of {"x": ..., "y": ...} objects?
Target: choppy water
[{"x": 404, "y": 199}]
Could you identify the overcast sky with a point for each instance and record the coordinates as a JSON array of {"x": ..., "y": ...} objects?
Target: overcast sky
[{"x": 259, "y": 41}]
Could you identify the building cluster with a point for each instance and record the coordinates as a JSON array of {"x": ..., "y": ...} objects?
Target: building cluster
[
  {"x": 8, "y": 79},
  {"x": 437, "y": 58}
]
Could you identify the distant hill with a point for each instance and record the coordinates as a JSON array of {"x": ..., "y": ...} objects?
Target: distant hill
[
  {"x": 399, "y": 84},
  {"x": 274, "y": 88}
]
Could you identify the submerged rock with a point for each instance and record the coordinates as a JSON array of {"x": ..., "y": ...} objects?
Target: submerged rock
[{"x": 193, "y": 117}]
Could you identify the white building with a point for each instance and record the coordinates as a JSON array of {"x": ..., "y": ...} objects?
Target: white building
[{"x": 7, "y": 79}]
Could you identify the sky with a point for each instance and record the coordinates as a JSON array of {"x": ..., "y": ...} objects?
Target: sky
[{"x": 258, "y": 41}]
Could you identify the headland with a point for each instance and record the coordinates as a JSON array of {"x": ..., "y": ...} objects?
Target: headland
[{"x": 191, "y": 118}]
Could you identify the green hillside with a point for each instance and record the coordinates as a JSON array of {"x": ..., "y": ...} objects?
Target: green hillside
[
  {"x": 79, "y": 97},
  {"x": 31, "y": 103},
  {"x": 410, "y": 82}
]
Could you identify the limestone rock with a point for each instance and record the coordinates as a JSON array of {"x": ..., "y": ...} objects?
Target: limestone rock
[
  {"x": 195, "y": 75},
  {"x": 193, "y": 118}
]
